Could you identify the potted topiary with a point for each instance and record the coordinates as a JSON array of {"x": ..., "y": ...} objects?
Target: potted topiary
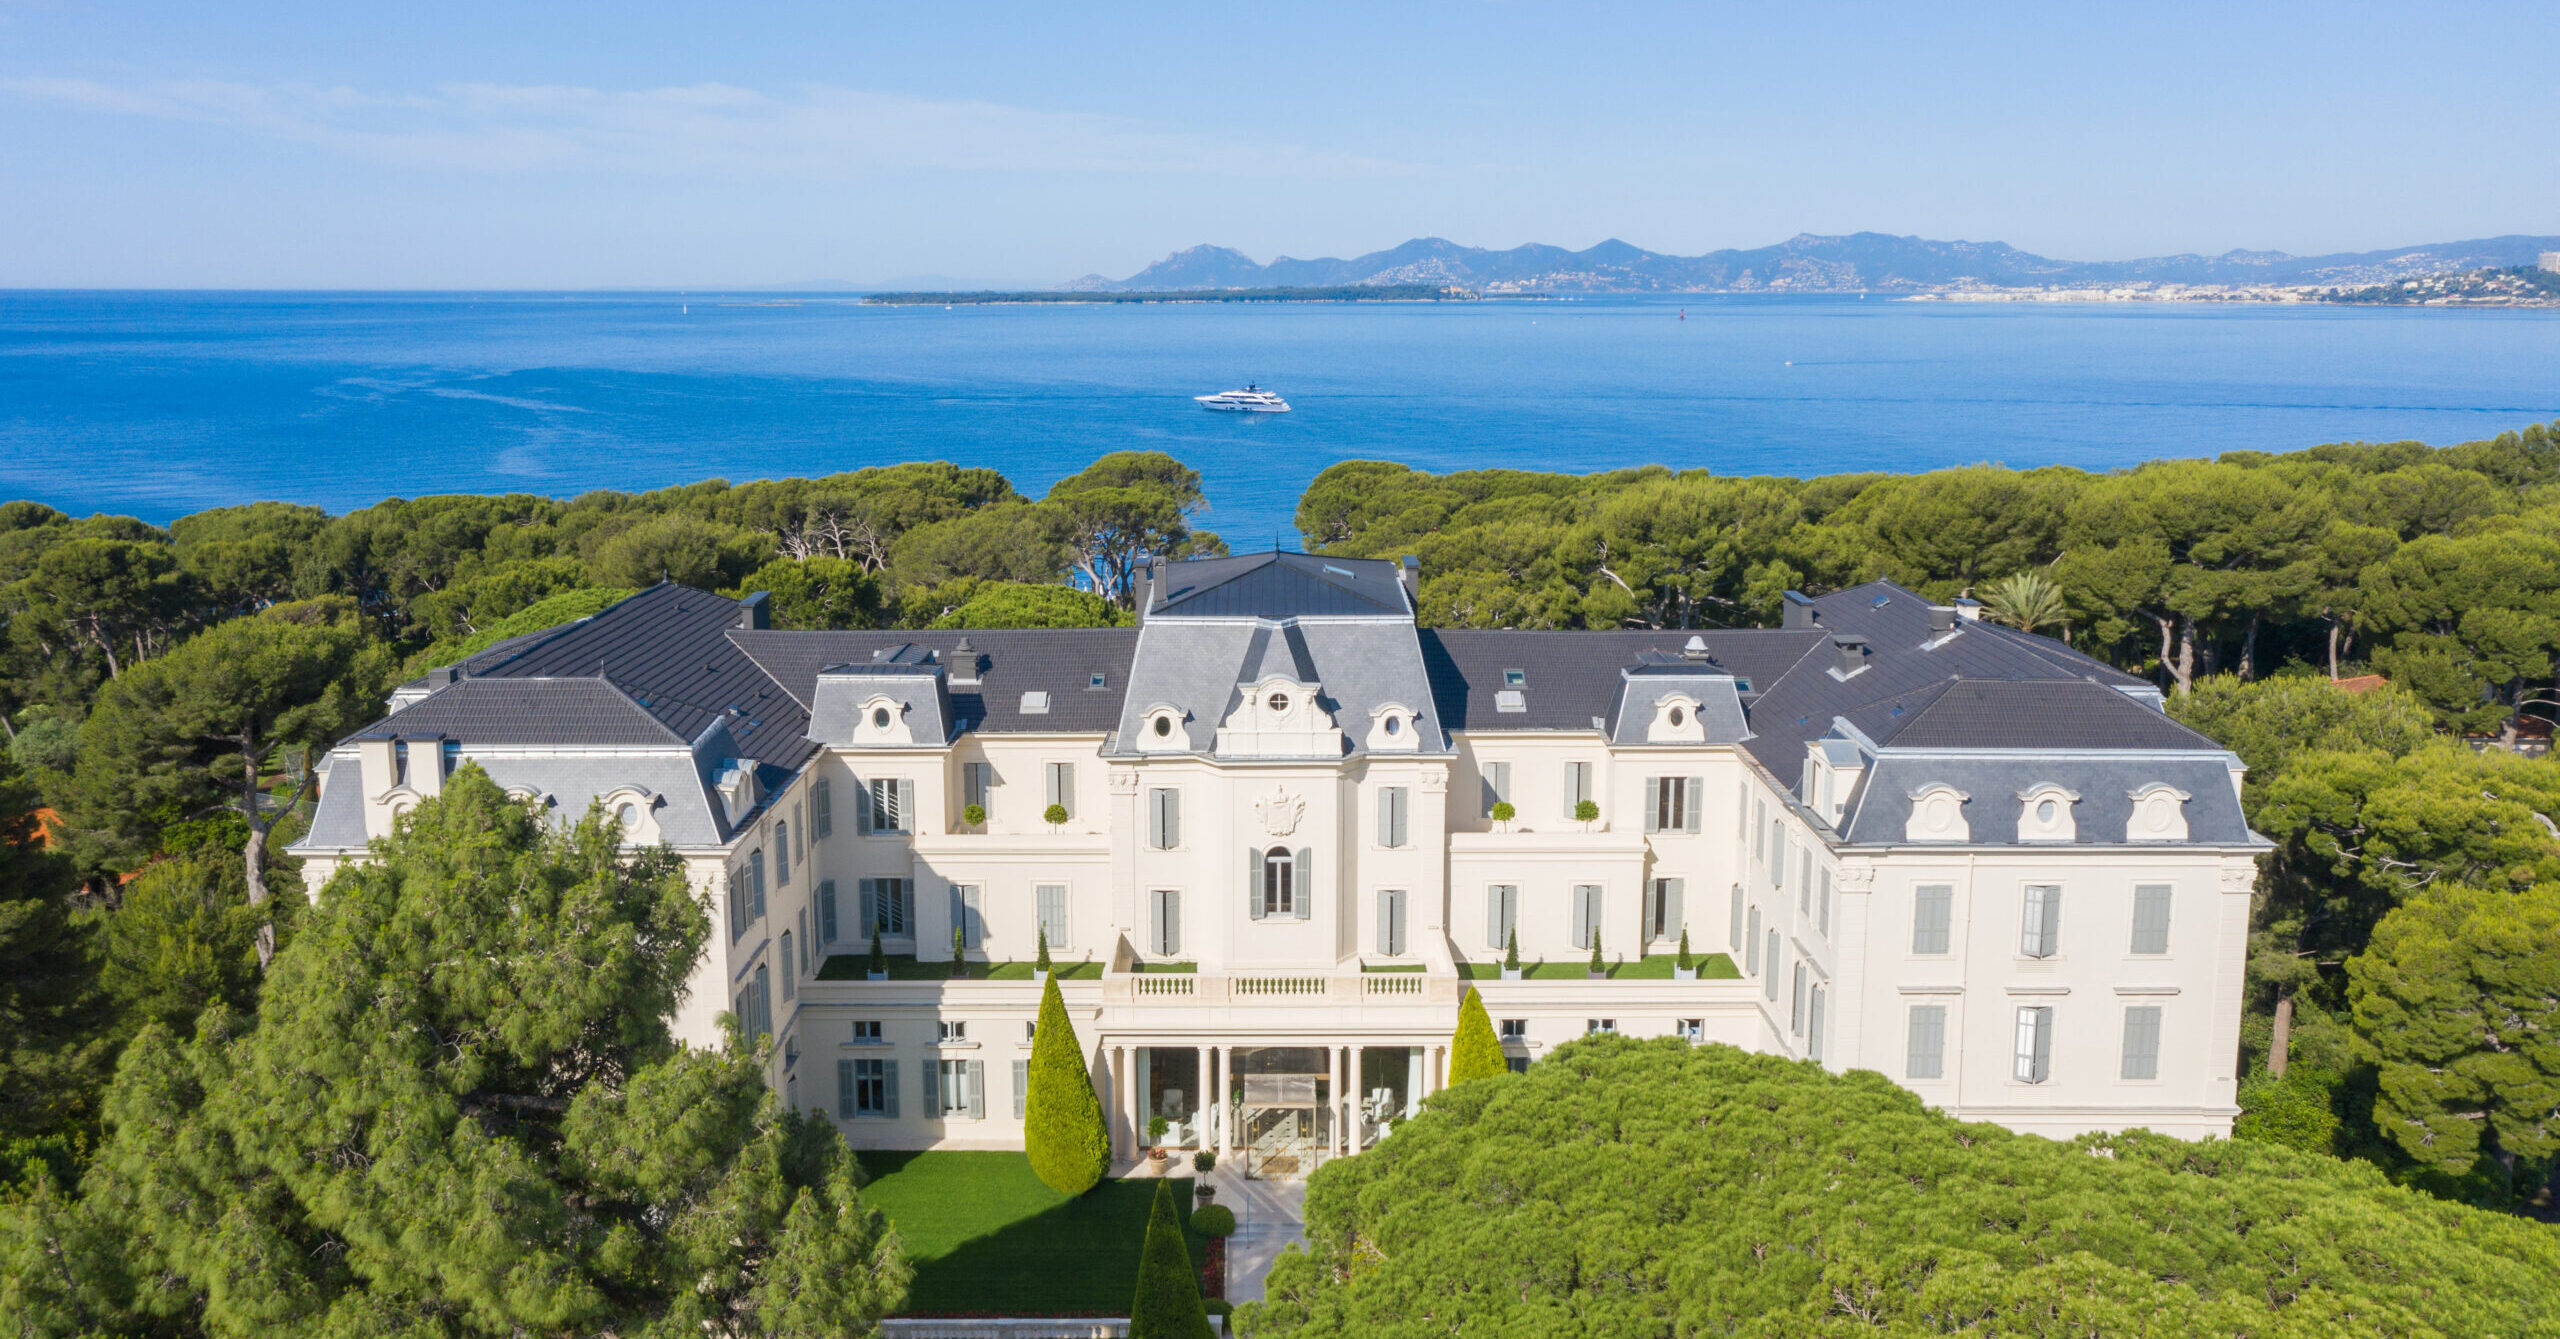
[
  {"x": 879, "y": 960},
  {"x": 1203, "y": 1163},
  {"x": 1503, "y": 813},
  {"x": 1586, "y": 813},
  {"x": 1511, "y": 955},
  {"x": 1042, "y": 966},
  {"x": 959, "y": 952},
  {"x": 1684, "y": 969},
  {"x": 1599, "y": 969},
  {"x": 974, "y": 815},
  {"x": 1156, "y": 1126},
  {"x": 1054, "y": 815}
]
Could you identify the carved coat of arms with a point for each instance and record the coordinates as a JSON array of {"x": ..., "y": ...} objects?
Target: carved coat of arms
[{"x": 1280, "y": 811}]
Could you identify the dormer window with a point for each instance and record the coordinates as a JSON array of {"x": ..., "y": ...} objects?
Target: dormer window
[
  {"x": 2159, "y": 814},
  {"x": 1164, "y": 727},
  {"x": 1937, "y": 815},
  {"x": 879, "y": 718},
  {"x": 1395, "y": 725},
  {"x": 1679, "y": 717},
  {"x": 2044, "y": 814}
]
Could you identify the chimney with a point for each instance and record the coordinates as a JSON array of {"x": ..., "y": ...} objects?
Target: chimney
[
  {"x": 1797, "y": 611},
  {"x": 1852, "y": 652},
  {"x": 1942, "y": 620},
  {"x": 1970, "y": 610},
  {"x": 756, "y": 610},
  {"x": 1695, "y": 650},
  {"x": 1409, "y": 573}
]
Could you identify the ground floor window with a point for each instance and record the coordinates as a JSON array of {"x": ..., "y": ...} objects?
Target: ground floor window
[
  {"x": 1515, "y": 1029},
  {"x": 866, "y": 1088},
  {"x": 1519, "y": 1063},
  {"x": 1600, "y": 1026},
  {"x": 958, "y": 1088},
  {"x": 1693, "y": 1029}
]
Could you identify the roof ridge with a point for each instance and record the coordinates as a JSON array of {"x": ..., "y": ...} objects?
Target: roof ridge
[{"x": 518, "y": 648}]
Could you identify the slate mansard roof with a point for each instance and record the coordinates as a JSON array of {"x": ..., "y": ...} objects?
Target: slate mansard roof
[{"x": 1873, "y": 670}]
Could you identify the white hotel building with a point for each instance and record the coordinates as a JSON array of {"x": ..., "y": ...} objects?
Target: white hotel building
[{"x": 1899, "y": 838}]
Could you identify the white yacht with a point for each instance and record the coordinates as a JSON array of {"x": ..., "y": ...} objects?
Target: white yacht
[{"x": 1250, "y": 400}]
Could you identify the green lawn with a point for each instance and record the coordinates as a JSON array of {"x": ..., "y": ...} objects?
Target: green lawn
[
  {"x": 904, "y": 967},
  {"x": 1656, "y": 967},
  {"x": 987, "y": 1238}
]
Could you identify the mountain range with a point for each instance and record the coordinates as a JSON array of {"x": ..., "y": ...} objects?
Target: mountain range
[{"x": 1855, "y": 262}]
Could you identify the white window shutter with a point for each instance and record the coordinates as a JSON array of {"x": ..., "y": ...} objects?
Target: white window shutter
[
  {"x": 1172, "y": 922},
  {"x": 1021, "y": 1087},
  {"x": 1306, "y": 882},
  {"x": 1653, "y": 804},
  {"x": 932, "y": 1089},
  {"x": 1697, "y": 788},
  {"x": 1253, "y": 877},
  {"x": 1652, "y": 904},
  {"x": 1172, "y": 818},
  {"x": 977, "y": 1090},
  {"x": 889, "y": 1087},
  {"x": 1675, "y": 917}
]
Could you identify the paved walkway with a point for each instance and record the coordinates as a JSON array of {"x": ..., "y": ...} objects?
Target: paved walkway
[{"x": 1269, "y": 1216}]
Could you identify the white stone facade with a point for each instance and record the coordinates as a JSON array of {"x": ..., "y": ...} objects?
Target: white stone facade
[{"x": 2047, "y": 937}]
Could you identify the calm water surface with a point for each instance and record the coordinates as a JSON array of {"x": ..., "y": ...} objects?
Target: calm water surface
[{"x": 160, "y": 404}]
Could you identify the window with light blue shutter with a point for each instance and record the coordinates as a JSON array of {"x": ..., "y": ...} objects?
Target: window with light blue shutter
[
  {"x": 822, "y": 808},
  {"x": 2040, "y": 921},
  {"x": 1392, "y": 811},
  {"x": 1050, "y": 903},
  {"x": 755, "y": 885},
  {"x": 1587, "y": 915},
  {"x": 1926, "y": 1057},
  {"x": 827, "y": 911},
  {"x": 1164, "y": 818},
  {"x": 1391, "y": 922},
  {"x": 845, "y": 1098},
  {"x": 2151, "y": 918},
  {"x": 2142, "y": 1042},
  {"x": 1932, "y": 917},
  {"x": 1021, "y": 1086}
]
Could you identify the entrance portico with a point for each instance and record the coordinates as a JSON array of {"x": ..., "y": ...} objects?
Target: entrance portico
[{"x": 1281, "y": 1106}]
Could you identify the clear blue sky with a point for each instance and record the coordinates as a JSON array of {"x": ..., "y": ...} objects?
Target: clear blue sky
[{"x": 532, "y": 144}]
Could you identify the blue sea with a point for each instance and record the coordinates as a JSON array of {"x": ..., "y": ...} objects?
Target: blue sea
[{"x": 157, "y": 404}]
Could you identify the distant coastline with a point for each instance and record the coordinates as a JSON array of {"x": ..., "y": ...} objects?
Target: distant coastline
[{"x": 1056, "y": 297}]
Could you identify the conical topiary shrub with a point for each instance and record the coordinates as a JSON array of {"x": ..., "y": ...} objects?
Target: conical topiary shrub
[
  {"x": 1168, "y": 1302},
  {"x": 1062, "y": 1126},
  {"x": 1475, "y": 1053}
]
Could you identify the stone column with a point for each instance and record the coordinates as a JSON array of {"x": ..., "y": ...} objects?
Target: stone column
[
  {"x": 1227, "y": 1133},
  {"x": 1132, "y": 1118},
  {"x": 1359, "y": 1091},
  {"x": 1207, "y": 1110},
  {"x": 1342, "y": 1099}
]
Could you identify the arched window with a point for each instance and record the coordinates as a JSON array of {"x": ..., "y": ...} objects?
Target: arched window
[{"x": 1279, "y": 882}]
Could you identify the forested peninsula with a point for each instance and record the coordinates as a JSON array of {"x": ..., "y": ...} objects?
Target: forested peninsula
[{"x": 2374, "y": 628}]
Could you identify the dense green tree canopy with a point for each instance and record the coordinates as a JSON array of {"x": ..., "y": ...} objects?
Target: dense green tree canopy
[
  {"x": 51, "y": 1056},
  {"x": 459, "y": 1112},
  {"x": 212, "y": 724},
  {"x": 1629, "y": 1187},
  {"x": 2457, "y": 1005}
]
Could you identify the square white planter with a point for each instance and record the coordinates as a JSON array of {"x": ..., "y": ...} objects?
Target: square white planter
[
  {"x": 875, "y": 976},
  {"x": 1684, "y": 973},
  {"x": 1511, "y": 973}
]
